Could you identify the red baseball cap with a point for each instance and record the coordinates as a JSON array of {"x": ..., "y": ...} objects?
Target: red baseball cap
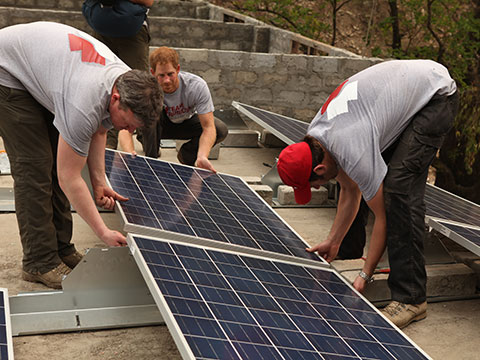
[{"x": 294, "y": 167}]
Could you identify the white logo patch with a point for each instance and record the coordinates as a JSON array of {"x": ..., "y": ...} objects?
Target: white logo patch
[{"x": 339, "y": 105}]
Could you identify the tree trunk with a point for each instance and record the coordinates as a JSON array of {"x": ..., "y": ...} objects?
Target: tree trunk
[{"x": 396, "y": 38}]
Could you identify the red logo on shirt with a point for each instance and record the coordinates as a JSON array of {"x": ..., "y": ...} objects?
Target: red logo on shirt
[
  {"x": 332, "y": 96},
  {"x": 173, "y": 111},
  {"x": 89, "y": 54}
]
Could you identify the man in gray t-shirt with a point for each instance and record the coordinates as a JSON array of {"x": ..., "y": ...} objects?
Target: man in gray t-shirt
[
  {"x": 60, "y": 91},
  {"x": 187, "y": 115},
  {"x": 395, "y": 113}
]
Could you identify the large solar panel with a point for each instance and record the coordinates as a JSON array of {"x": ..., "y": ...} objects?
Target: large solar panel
[
  {"x": 6, "y": 346},
  {"x": 287, "y": 129},
  {"x": 454, "y": 217},
  {"x": 222, "y": 305},
  {"x": 181, "y": 202}
]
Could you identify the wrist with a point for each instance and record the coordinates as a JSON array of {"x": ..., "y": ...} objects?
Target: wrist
[
  {"x": 368, "y": 279},
  {"x": 102, "y": 232}
]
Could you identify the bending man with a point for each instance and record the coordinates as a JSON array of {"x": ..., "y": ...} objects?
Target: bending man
[
  {"x": 395, "y": 113},
  {"x": 57, "y": 107}
]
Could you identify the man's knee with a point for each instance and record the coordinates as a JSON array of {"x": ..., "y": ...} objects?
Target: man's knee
[{"x": 221, "y": 129}]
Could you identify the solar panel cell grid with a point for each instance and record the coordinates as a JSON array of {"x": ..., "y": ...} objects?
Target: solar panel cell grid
[
  {"x": 239, "y": 307},
  {"x": 469, "y": 234},
  {"x": 194, "y": 202}
]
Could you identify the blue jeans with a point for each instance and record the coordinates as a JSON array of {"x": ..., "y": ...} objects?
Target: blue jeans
[{"x": 404, "y": 189}]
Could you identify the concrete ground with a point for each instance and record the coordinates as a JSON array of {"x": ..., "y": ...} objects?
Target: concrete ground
[{"x": 449, "y": 332}]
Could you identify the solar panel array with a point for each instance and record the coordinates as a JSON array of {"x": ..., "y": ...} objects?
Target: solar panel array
[
  {"x": 6, "y": 346},
  {"x": 178, "y": 201},
  {"x": 287, "y": 129},
  {"x": 453, "y": 216},
  {"x": 221, "y": 305}
]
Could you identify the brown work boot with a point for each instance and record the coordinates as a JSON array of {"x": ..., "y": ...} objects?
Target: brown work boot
[
  {"x": 72, "y": 260},
  {"x": 52, "y": 279},
  {"x": 403, "y": 314}
]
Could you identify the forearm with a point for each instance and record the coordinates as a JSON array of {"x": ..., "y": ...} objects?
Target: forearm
[
  {"x": 347, "y": 209},
  {"x": 207, "y": 139},
  {"x": 376, "y": 247},
  {"x": 79, "y": 195},
  {"x": 96, "y": 160},
  {"x": 379, "y": 233},
  {"x": 125, "y": 140}
]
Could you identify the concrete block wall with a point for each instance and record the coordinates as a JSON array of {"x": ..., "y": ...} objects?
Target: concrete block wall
[
  {"x": 165, "y": 31},
  {"x": 192, "y": 24},
  {"x": 181, "y": 9},
  {"x": 12, "y": 16},
  {"x": 292, "y": 85},
  {"x": 229, "y": 56},
  {"x": 189, "y": 33},
  {"x": 279, "y": 40}
]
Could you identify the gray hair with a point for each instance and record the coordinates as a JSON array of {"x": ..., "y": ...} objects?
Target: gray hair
[{"x": 140, "y": 92}]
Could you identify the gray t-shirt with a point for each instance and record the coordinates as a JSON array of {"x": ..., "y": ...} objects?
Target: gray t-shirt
[
  {"x": 192, "y": 96},
  {"x": 370, "y": 110},
  {"x": 67, "y": 71}
]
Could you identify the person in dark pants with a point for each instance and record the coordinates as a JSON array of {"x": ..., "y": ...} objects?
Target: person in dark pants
[
  {"x": 57, "y": 107},
  {"x": 187, "y": 114},
  {"x": 131, "y": 46},
  {"x": 396, "y": 113}
]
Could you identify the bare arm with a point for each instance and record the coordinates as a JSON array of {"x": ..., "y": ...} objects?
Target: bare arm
[
  {"x": 347, "y": 207},
  {"x": 147, "y": 3},
  {"x": 69, "y": 167},
  {"x": 125, "y": 139},
  {"x": 378, "y": 239},
  {"x": 207, "y": 139}
]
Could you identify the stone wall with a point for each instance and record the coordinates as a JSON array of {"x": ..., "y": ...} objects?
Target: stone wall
[
  {"x": 194, "y": 33},
  {"x": 190, "y": 24},
  {"x": 292, "y": 85},
  {"x": 245, "y": 61}
]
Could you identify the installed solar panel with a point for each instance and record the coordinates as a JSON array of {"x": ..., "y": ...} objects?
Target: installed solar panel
[
  {"x": 181, "y": 202},
  {"x": 454, "y": 217},
  {"x": 221, "y": 305},
  {"x": 445, "y": 205},
  {"x": 6, "y": 346},
  {"x": 287, "y": 129},
  {"x": 468, "y": 237}
]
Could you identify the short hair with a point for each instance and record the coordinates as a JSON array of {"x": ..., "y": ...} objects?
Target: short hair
[
  {"x": 140, "y": 92},
  {"x": 163, "y": 55},
  {"x": 317, "y": 155}
]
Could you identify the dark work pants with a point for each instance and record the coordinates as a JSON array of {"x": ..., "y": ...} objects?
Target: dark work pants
[
  {"x": 42, "y": 209},
  {"x": 134, "y": 52},
  {"x": 404, "y": 188},
  {"x": 190, "y": 129},
  {"x": 354, "y": 241}
]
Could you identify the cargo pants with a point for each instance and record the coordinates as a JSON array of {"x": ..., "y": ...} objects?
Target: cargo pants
[{"x": 42, "y": 209}]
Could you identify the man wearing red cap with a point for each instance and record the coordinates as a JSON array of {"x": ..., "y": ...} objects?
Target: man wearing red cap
[{"x": 396, "y": 113}]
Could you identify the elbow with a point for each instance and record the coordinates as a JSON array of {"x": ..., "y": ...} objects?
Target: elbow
[{"x": 63, "y": 181}]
